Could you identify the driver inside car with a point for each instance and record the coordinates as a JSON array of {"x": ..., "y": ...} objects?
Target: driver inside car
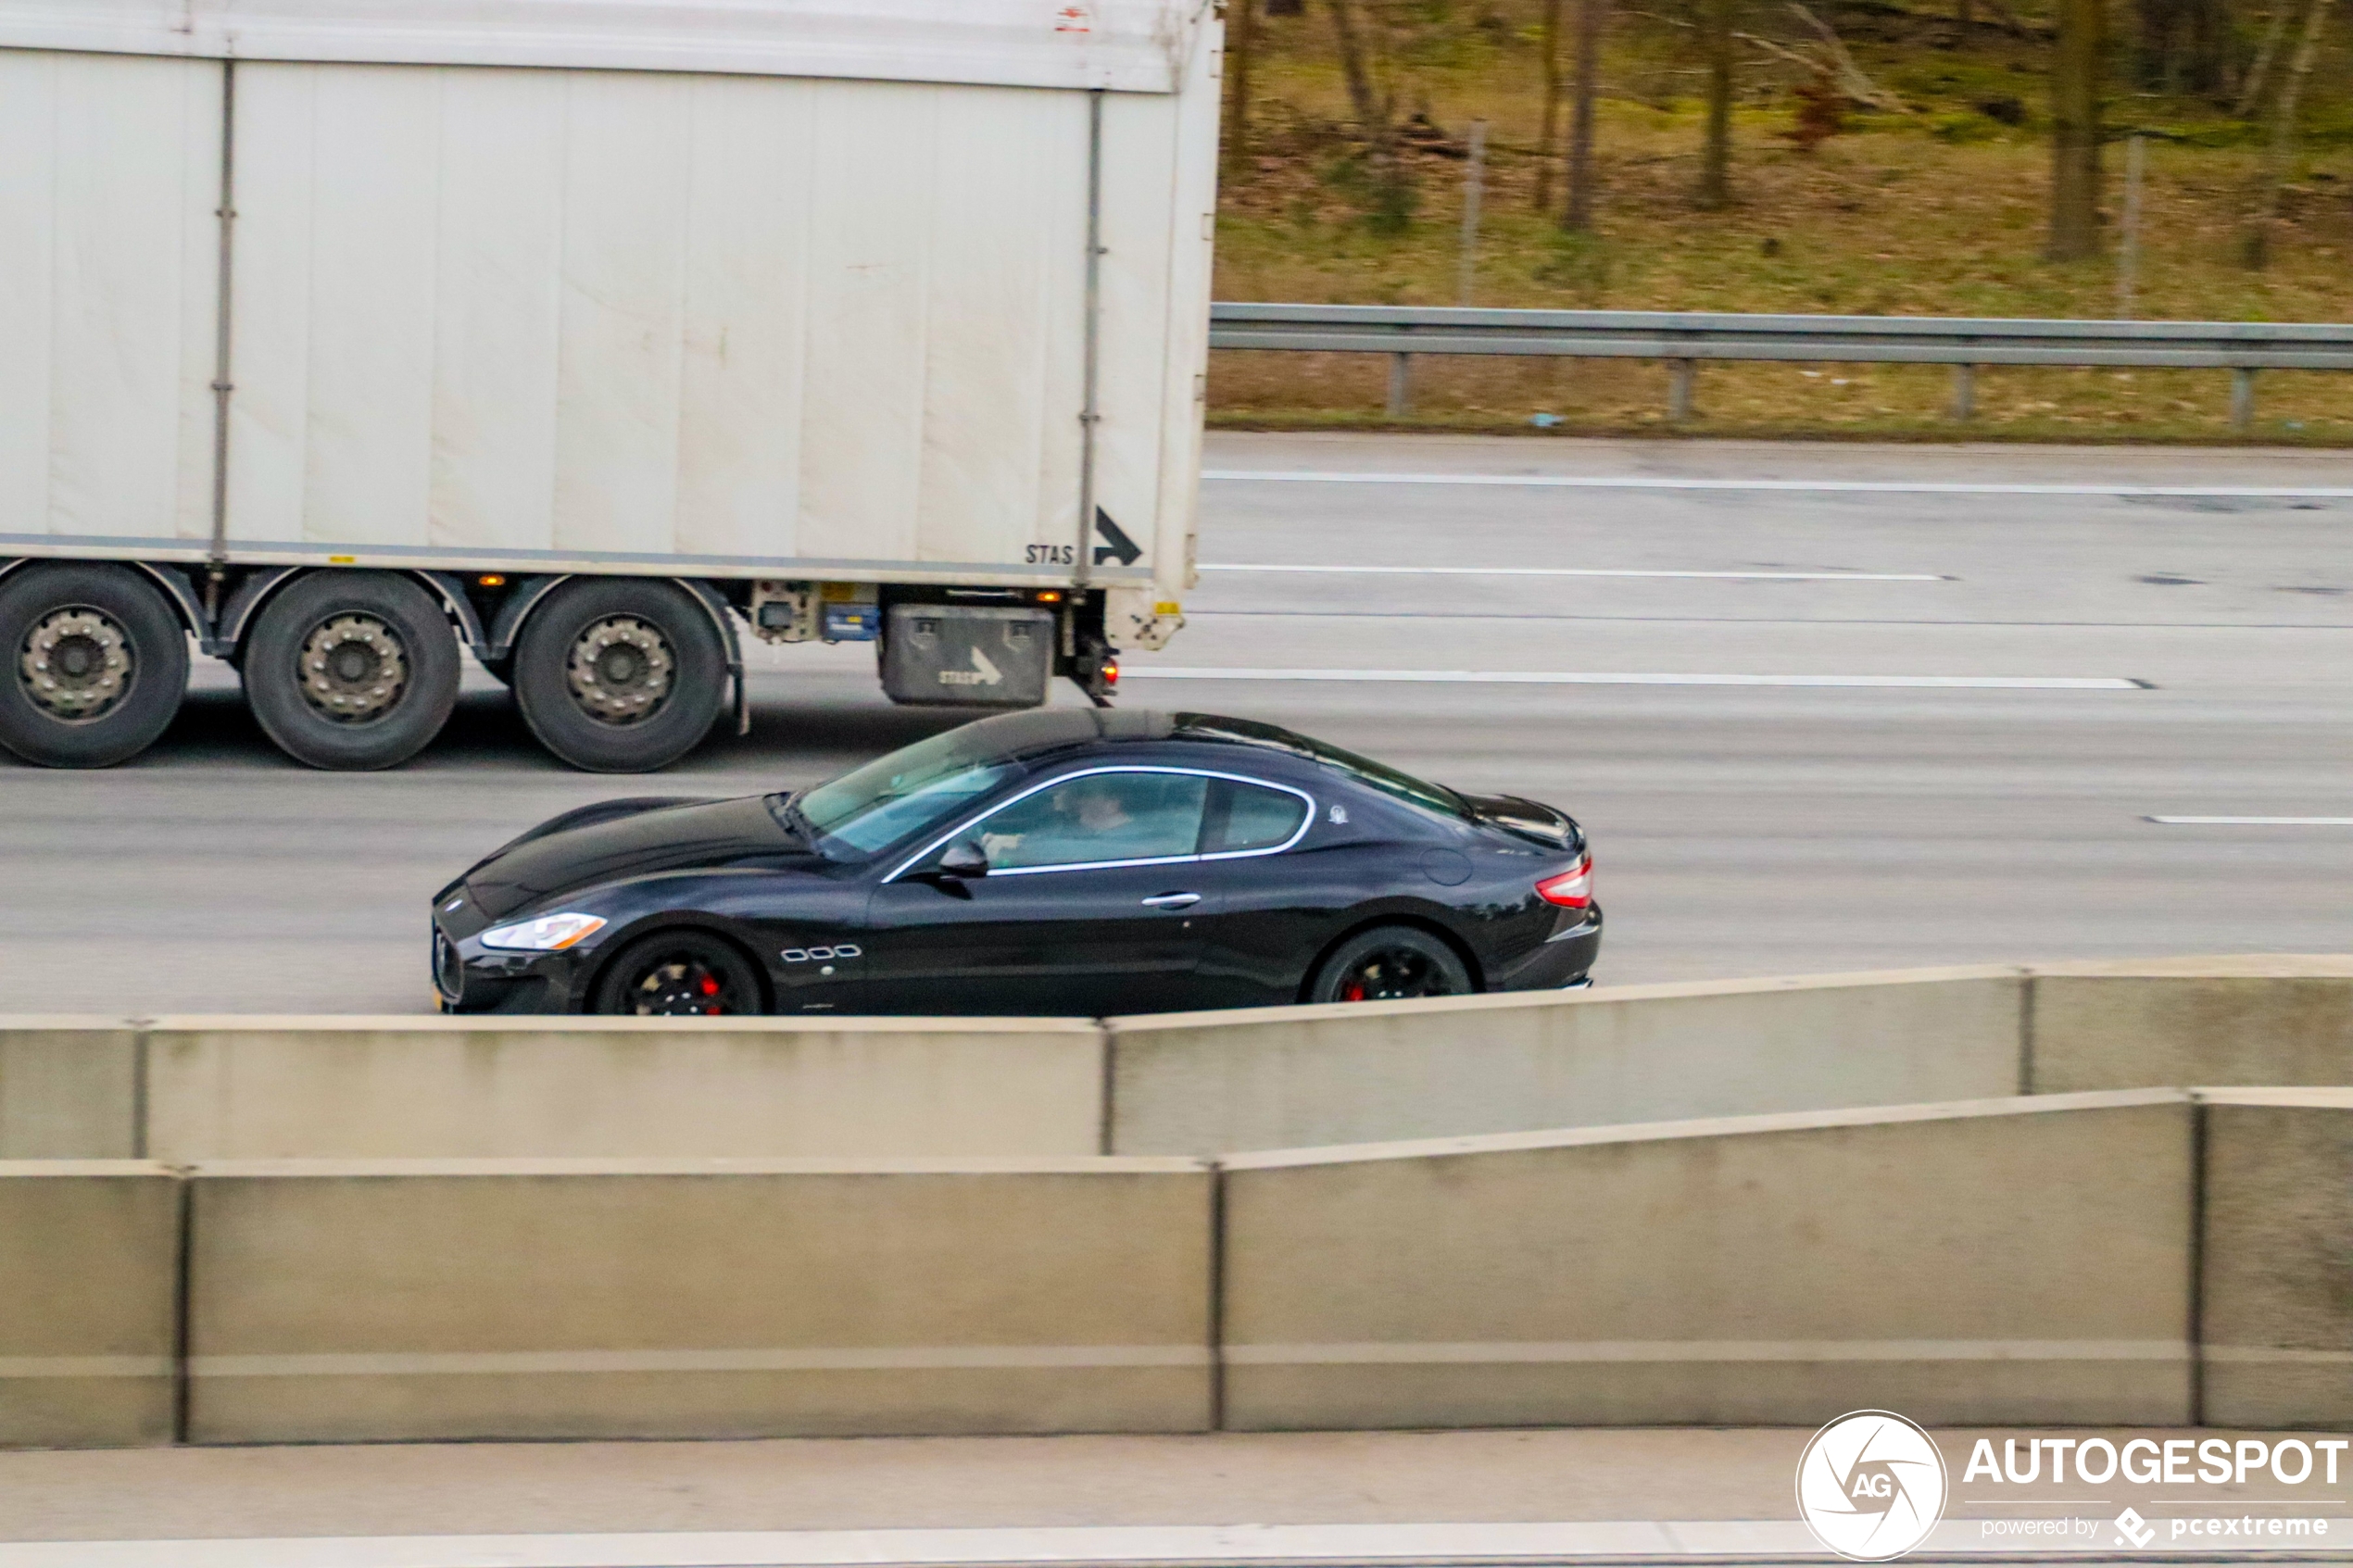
[{"x": 1109, "y": 817}]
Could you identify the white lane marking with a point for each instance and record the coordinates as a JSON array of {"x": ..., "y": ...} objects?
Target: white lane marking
[
  {"x": 1341, "y": 1544},
  {"x": 85, "y": 1366},
  {"x": 1590, "y": 571},
  {"x": 1616, "y": 678},
  {"x": 2253, "y": 821},
  {"x": 1824, "y": 486},
  {"x": 1543, "y": 1352},
  {"x": 878, "y": 1357}
]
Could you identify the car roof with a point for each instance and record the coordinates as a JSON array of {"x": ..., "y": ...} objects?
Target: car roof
[{"x": 1029, "y": 737}]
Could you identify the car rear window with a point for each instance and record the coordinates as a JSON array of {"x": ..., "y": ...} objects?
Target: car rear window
[{"x": 1245, "y": 816}]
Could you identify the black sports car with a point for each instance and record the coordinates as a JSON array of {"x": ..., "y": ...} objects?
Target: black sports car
[{"x": 1057, "y": 861}]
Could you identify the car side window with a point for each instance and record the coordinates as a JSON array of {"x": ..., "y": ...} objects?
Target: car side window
[
  {"x": 1098, "y": 817},
  {"x": 1247, "y": 816}
]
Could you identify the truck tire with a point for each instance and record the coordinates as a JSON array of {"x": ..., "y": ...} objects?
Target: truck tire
[
  {"x": 620, "y": 674},
  {"x": 97, "y": 663},
  {"x": 351, "y": 671}
]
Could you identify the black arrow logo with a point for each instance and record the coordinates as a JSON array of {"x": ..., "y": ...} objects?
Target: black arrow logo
[{"x": 1116, "y": 546}]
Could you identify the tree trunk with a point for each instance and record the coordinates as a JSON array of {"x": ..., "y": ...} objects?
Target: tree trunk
[
  {"x": 1371, "y": 114},
  {"x": 1374, "y": 105},
  {"x": 1549, "y": 42},
  {"x": 2251, "y": 90},
  {"x": 1715, "y": 157},
  {"x": 2075, "y": 131},
  {"x": 1579, "y": 213},
  {"x": 1239, "y": 39},
  {"x": 2256, "y": 243},
  {"x": 2208, "y": 68}
]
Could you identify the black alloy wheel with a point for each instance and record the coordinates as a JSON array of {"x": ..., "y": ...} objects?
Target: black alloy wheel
[
  {"x": 97, "y": 663},
  {"x": 620, "y": 674},
  {"x": 679, "y": 974},
  {"x": 1390, "y": 964},
  {"x": 351, "y": 671}
]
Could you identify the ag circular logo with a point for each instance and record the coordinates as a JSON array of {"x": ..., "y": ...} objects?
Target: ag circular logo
[{"x": 1870, "y": 1486}]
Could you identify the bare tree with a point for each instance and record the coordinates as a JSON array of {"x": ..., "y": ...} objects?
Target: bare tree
[
  {"x": 1549, "y": 43},
  {"x": 2181, "y": 43},
  {"x": 2251, "y": 90},
  {"x": 2255, "y": 242},
  {"x": 2075, "y": 130},
  {"x": 1716, "y": 156},
  {"x": 1372, "y": 103},
  {"x": 1239, "y": 39},
  {"x": 1579, "y": 213}
]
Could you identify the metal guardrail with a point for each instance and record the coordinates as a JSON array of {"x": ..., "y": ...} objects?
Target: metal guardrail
[{"x": 1683, "y": 339}]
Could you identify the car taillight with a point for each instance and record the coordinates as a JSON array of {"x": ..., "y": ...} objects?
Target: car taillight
[{"x": 1572, "y": 889}]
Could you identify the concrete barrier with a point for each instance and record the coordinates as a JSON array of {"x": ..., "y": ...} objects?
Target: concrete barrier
[
  {"x": 89, "y": 1273},
  {"x": 1293, "y": 1077},
  {"x": 257, "y": 1088},
  {"x": 70, "y": 1088},
  {"x": 2276, "y": 1297},
  {"x": 2258, "y": 1018},
  {"x": 471, "y": 1300},
  {"x": 206, "y": 1088},
  {"x": 2010, "y": 1261}
]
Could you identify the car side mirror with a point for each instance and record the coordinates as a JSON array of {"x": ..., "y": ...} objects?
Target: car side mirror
[{"x": 964, "y": 860}]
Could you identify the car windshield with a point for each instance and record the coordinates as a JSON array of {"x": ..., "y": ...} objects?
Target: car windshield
[
  {"x": 1380, "y": 775},
  {"x": 868, "y": 810}
]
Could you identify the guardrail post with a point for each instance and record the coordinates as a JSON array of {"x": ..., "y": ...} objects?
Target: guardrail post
[
  {"x": 2242, "y": 399},
  {"x": 1964, "y": 391},
  {"x": 1401, "y": 385},
  {"x": 1678, "y": 390}
]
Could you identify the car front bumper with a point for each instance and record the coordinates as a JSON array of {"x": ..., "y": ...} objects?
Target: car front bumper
[{"x": 469, "y": 978}]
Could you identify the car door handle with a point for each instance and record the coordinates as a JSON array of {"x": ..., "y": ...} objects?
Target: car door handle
[{"x": 1172, "y": 901}]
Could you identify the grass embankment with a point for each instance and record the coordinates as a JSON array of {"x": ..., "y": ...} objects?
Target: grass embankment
[{"x": 1940, "y": 212}]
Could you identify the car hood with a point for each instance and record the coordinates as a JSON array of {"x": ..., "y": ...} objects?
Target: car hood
[
  {"x": 555, "y": 858},
  {"x": 1529, "y": 819}
]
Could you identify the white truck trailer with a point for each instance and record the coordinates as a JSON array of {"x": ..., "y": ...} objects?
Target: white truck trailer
[{"x": 593, "y": 336}]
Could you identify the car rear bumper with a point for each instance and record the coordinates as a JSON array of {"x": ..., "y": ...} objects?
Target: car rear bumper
[{"x": 1564, "y": 959}]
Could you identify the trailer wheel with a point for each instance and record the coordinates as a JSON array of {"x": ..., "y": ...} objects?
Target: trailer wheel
[
  {"x": 97, "y": 664},
  {"x": 351, "y": 671},
  {"x": 620, "y": 674}
]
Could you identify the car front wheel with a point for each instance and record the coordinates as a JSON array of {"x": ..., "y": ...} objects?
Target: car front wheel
[
  {"x": 679, "y": 974},
  {"x": 1390, "y": 964}
]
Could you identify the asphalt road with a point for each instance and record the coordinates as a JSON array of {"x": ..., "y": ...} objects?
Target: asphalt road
[{"x": 1887, "y": 707}]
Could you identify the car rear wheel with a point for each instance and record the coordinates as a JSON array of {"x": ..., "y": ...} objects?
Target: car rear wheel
[
  {"x": 1390, "y": 964},
  {"x": 679, "y": 974}
]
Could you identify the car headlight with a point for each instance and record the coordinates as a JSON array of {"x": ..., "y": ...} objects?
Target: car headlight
[{"x": 545, "y": 935}]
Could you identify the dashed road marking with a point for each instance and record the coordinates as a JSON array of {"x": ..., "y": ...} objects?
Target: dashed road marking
[
  {"x": 1624, "y": 678},
  {"x": 2252, "y": 821},
  {"x": 1587, "y": 571},
  {"x": 1818, "y": 486}
]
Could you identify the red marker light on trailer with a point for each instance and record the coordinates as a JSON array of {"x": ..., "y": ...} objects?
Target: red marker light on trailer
[
  {"x": 1572, "y": 889},
  {"x": 1111, "y": 672}
]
